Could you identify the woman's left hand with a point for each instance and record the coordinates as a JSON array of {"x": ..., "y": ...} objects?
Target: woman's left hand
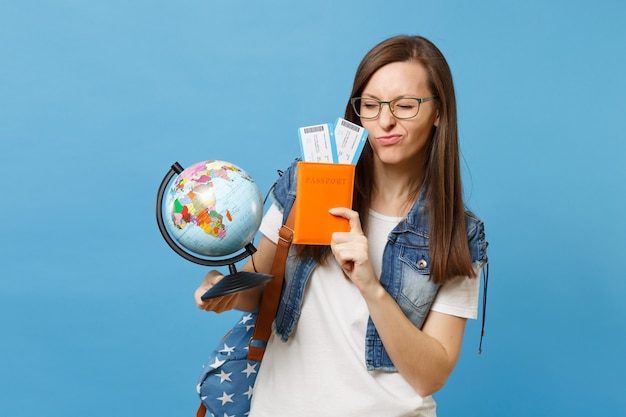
[
  {"x": 352, "y": 253},
  {"x": 424, "y": 357}
]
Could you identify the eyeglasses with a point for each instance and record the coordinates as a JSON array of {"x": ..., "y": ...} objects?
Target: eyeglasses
[{"x": 401, "y": 108}]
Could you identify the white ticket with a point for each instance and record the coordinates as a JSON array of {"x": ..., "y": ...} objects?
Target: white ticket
[
  {"x": 350, "y": 139},
  {"x": 317, "y": 144}
]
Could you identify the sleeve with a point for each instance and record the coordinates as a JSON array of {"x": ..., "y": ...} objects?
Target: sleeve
[
  {"x": 271, "y": 223},
  {"x": 459, "y": 297}
]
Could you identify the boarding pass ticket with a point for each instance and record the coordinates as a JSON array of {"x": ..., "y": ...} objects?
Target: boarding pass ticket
[
  {"x": 317, "y": 144},
  {"x": 340, "y": 143},
  {"x": 350, "y": 139}
]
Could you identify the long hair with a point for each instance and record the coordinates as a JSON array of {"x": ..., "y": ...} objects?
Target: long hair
[{"x": 449, "y": 250}]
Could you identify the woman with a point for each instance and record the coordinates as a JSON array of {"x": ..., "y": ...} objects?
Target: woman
[{"x": 373, "y": 325}]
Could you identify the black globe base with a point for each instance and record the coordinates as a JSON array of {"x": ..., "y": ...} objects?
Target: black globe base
[{"x": 239, "y": 281}]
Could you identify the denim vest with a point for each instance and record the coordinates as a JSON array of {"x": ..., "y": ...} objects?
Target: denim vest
[{"x": 405, "y": 270}]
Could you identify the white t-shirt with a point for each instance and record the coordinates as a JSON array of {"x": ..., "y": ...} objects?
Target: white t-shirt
[{"x": 320, "y": 370}]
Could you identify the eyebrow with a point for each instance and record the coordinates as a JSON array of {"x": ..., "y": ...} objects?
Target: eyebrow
[{"x": 395, "y": 98}]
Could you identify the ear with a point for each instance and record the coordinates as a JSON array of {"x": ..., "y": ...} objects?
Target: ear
[{"x": 436, "y": 123}]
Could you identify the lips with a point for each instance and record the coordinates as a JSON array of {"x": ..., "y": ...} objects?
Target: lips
[{"x": 389, "y": 139}]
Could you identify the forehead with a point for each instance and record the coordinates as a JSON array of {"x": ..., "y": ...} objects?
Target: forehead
[{"x": 398, "y": 79}]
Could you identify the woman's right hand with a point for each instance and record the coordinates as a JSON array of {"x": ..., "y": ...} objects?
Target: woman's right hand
[
  {"x": 247, "y": 300},
  {"x": 218, "y": 304}
]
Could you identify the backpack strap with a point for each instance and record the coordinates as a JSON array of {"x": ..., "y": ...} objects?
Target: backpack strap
[{"x": 271, "y": 295}]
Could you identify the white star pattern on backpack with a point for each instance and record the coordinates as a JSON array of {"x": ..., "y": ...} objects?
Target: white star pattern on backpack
[{"x": 229, "y": 393}]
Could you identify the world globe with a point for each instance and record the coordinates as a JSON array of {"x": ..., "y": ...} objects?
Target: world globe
[
  {"x": 208, "y": 212},
  {"x": 213, "y": 208}
]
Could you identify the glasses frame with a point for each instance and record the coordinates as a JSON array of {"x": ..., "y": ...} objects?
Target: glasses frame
[{"x": 353, "y": 101}]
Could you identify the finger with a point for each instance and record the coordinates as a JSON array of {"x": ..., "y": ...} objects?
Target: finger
[
  {"x": 337, "y": 238},
  {"x": 351, "y": 215},
  {"x": 213, "y": 277},
  {"x": 225, "y": 303},
  {"x": 218, "y": 305}
]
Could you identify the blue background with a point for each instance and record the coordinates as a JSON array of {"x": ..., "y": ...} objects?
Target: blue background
[{"x": 99, "y": 98}]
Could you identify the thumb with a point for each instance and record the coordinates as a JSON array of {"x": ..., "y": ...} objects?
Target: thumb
[{"x": 351, "y": 215}]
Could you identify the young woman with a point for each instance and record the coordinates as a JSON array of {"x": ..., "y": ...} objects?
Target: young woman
[{"x": 373, "y": 324}]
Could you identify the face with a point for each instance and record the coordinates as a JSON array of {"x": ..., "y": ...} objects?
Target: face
[{"x": 400, "y": 142}]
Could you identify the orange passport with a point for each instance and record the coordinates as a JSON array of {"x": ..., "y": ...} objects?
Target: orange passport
[{"x": 320, "y": 187}]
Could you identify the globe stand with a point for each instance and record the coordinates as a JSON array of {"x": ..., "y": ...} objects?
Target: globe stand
[{"x": 235, "y": 281}]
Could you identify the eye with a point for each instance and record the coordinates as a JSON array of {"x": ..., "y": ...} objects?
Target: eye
[
  {"x": 369, "y": 104},
  {"x": 405, "y": 104}
]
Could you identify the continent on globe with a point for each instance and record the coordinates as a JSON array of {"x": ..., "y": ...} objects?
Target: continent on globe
[
  {"x": 190, "y": 208},
  {"x": 213, "y": 208}
]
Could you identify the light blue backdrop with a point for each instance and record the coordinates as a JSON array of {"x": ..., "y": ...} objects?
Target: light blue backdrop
[{"x": 99, "y": 98}]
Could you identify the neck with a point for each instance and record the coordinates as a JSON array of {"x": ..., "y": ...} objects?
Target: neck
[{"x": 395, "y": 189}]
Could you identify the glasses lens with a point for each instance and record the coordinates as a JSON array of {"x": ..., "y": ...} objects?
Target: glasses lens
[
  {"x": 366, "y": 108},
  {"x": 405, "y": 108}
]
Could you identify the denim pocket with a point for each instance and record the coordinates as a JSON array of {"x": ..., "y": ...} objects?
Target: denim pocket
[{"x": 417, "y": 291}]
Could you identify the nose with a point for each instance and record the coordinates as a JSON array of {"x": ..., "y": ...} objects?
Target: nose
[{"x": 386, "y": 118}]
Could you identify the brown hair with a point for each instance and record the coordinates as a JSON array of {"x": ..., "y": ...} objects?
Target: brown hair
[{"x": 449, "y": 250}]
